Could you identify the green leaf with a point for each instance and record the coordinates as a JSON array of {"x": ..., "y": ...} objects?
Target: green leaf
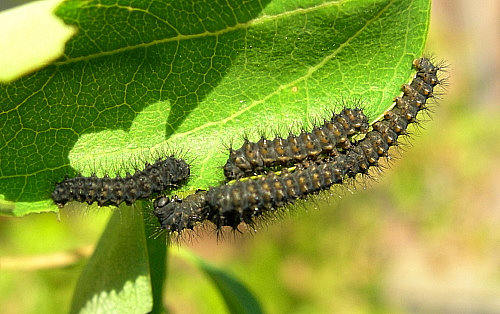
[
  {"x": 238, "y": 298},
  {"x": 145, "y": 77},
  {"x": 116, "y": 278},
  {"x": 31, "y": 36}
]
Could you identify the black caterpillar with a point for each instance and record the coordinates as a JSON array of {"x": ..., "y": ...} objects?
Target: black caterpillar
[
  {"x": 155, "y": 178},
  {"x": 257, "y": 157},
  {"x": 243, "y": 201}
]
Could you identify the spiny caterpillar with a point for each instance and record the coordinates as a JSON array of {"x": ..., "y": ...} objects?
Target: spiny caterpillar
[
  {"x": 244, "y": 200},
  {"x": 155, "y": 178},
  {"x": 257, "y": 157}
]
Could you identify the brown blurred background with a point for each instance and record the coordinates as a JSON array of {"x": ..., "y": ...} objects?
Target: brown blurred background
[{"x": 424, "y": 238}]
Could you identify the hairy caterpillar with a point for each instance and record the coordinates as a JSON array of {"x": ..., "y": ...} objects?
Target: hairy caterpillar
[
  {"x": 256, "y": 157},
  {"x": 155, "y": 178}
]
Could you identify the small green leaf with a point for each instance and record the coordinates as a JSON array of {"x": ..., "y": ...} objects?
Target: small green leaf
[
  {"x": 116, "y": 278},
  {"x": 31, "y": 36},
  {"x": 193, "y": 77},
  {"x": 238, "y": 298}
]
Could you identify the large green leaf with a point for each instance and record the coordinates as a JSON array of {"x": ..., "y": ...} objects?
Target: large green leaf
[
  {"x": 192, "y": 77},
  {"x": 117, "y": 277}
]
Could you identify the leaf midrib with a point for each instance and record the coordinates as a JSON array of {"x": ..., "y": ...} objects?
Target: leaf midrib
[
  {"x": 309, "y": 72},
  {"x": 239, "y": 26}
]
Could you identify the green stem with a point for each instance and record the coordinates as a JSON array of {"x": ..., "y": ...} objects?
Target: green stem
[{"x": 157, "y": 255}]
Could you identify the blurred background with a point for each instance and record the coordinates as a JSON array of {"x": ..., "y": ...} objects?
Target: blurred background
[{"x": 424, "y": 237}]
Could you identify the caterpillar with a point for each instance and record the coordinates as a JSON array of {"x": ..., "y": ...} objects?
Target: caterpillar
[
  {"x": 244, "y": 200},
  {"x": 155, "y": 178},
  {"x": 256, "y": 157}
]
